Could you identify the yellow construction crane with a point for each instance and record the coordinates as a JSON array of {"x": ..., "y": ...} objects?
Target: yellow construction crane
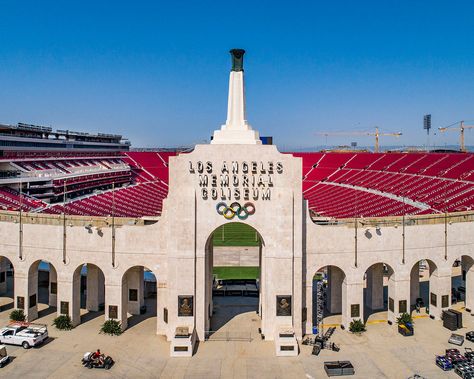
[
  {"x": 377, "y": 135},
  {"x": 461, "y": 128}
]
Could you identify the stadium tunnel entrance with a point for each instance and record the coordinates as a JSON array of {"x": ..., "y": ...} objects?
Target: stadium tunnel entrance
[
  {"x": 233, "y": 278},
  {"x": 6, "y": 284}
]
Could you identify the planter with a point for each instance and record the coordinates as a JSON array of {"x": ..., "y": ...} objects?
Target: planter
[{"x": 406, "y": 330}]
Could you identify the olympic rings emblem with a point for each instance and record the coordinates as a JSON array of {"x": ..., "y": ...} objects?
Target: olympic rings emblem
[{"x": 235, "y": 209}]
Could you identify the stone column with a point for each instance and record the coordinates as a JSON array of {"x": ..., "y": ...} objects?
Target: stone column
[
  {"x": 440, "y": 292},
  {"x": 134, "y": 281},
  {"x": 334, "y": 293},
  {"x": 352, "y": 301},
  {"x": 52, "y": 291},
  {"x": 309, "y": 307},
  {"x": 31, "y": 298},
  {"x": 3, "y": 275},
  {"x": 92, "y": 287},
  {"x": 69, "y": 298},
  {"x": 21, "y": 294},
  {"x": 116, "y": 302},
  {"x": 415, "y": 285},
  {"x": 375, "y": 287},
  {"x": 398, "y": 297}
]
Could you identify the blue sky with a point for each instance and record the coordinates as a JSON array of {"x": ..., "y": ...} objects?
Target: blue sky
[{"x": 157, "y": 72}]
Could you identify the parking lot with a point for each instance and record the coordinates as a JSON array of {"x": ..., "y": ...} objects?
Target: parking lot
[{"x": 139, "y": 353}]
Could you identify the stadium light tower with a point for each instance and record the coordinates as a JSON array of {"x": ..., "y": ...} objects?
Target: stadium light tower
[{"x": 427, "y": 127}]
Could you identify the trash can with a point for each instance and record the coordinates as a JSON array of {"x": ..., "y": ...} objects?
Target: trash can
[{"x": 315, "y": 330}]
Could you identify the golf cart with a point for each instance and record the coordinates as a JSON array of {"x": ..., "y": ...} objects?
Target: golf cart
[
  {"x": 89, "y": 361},
  {"x": 4, "y": 357}
]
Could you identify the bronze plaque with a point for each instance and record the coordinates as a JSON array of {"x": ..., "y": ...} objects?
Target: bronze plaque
[
  {"x": 185, "y": 306},
  {"x": 182, "y": 331},
  {"x": 402, "y": 306},
  {"x": 391, "y": 305},
  {"x": 444, "y": 301},
  {"x": 180, "y": 348},
  {"x": 355, "y": 310},
  {"x": 304, "y": 314},
  {"x": 113, "y": 311},
  {"x": 64, "y": 307},
  {"x": 20, "y": 302},
  {"x": 433, "y": 299},
  {"x": 132, "y": 295},
  {"x": 283, "y": 305},
  {"x": 54, "y": 288},
  {"x": 32, "y": 300},
  {"x": 165, "y": 315}
]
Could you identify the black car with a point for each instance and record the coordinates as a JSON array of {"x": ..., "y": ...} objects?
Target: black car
[{"x": 470, "y": 336}]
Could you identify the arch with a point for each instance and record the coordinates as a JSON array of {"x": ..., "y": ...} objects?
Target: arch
[
  {"x": 462, "y": 282},
  {"x": 420, "y": 293},
  {"x": 7, "y": 288},
  {"x": 88, "y": 292},
  {"x": 139, "y": 295},
  {"x": 378, "y": 300},
  {"x": 42, "y": 289},
  {"x": 239, "y": 271},
  {"x": 328, "y": 296}
]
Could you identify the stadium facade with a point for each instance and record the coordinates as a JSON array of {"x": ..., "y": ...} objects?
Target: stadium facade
[{"x": 236, "y": 179}]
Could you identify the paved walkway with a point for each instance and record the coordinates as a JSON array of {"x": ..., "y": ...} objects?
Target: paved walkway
[{"x": 139, "y": 353}]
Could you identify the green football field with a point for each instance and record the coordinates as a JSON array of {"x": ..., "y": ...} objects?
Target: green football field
[
  {"x": 236, "y": 234},
  {"x": 236, "y": 272}
]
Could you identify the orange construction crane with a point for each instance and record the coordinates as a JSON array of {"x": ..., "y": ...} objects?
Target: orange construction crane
[
  {"x": 377, "y": 135},
  {"x": 461, "y": 128}
]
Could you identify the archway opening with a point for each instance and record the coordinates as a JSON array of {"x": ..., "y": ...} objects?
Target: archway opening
[
  {"x": 88, "y": 292},
  {"x": 42, "y": 289},
  {"x": 328, "y": 300},
  {"x": 462, "y": 278},
  {"x": 139, "y": 290},
  {"x": 6, "y": 284},
  {"x": 377, "y": 300},
  {"x": 233, "y": 291},
  {"x": 420, "y": 277}
]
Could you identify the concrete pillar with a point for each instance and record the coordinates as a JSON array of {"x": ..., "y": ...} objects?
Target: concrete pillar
[
  {"x": 3, "y": 275},
  {"x": 374, "y": 289},
  {"x": 95, "y": 288},
  {"x": 415, "y": 285},
  {"x": 201, "y": 301},
  {"x": 309, "y": 307},
  {"x": 31, "y": 298},
  {"x": 68, "y": 298},
  {"x": 440, "y": 292},
  {"x": 134, "y": 281},
  {"x": 398, "y": 297},
  {"x": 52, "y": 287},
  {"x": 21, "y": 284},
  {"x": 468, "y": 267},
  {"x": 334, "y": 293},
  {"x": 352, "y": 301},
  {"x": 116, "y": 301}
]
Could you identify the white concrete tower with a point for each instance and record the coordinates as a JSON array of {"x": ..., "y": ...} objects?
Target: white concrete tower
[{"x": 236, "y": 130}]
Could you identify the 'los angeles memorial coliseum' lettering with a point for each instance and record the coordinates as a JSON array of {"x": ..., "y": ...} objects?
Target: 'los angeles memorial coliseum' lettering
[{"x": 236, "y": 180}]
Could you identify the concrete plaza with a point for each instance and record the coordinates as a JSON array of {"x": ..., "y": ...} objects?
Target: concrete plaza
[{"x": 139, "y": 353}]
